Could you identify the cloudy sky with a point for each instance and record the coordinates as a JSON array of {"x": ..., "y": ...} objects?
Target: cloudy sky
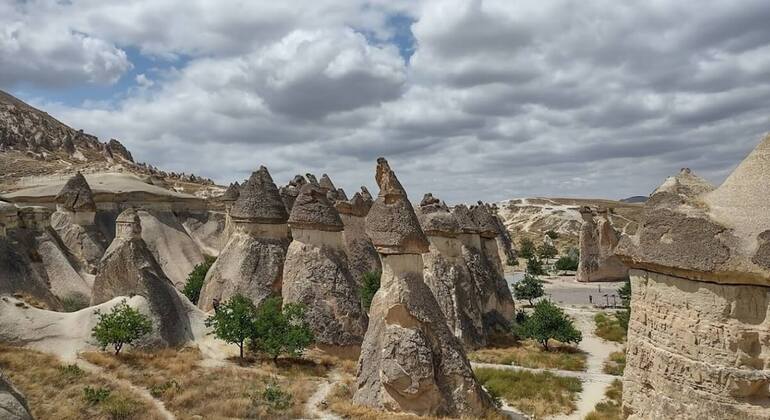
[{"x": 468, "y": 99}]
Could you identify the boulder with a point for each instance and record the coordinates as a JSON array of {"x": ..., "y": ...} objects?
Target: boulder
[
  {"x": 410, "y": 360},
  {"x": 13, "y": 405},
  {"x": 316, "y": 274}
]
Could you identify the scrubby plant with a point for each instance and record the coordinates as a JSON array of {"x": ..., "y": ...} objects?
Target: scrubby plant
[
  {"x": 74, "y": 303},
  {"x": 194, "y": 283},
  {"x": 546, "y": 251},
  {"x": 71, "y": 371},
  {"x": 369, "y": 287},
  {"x": 526, "y": 248},
  {"x": 566, "y": 263},
  {"x": 280, "y": 330},
  {"x": 122, "y": 325},
  {"x": 234, "y": 321},
  {"x": 96, "y": 395},
  {"x": 548, "y": 322},
  {"x": 552, "y": 234},
  {"x": 535, "y": 266},
  {"x": 530, "y": 287}
]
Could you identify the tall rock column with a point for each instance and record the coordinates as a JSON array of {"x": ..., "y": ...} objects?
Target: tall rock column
[
  {"x": 588, "y": 265},
  {"x": 610, "y": 266},
  {"x": 410, "y": 360},
  {"x": 251, "y": 264},
  {"x": 362, "y": 256},
  {"x": 447, "y": 275},
  {"x": 316, "y": 274},
  {"x": 699, "y": 333}
]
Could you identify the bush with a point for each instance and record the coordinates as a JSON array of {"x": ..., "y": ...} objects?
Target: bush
[
  {"x": 513, "y": 262},
  {"x": 566, "y": 263},
  {"x": 96, "y": 395},
  {"x": 530, "y": 287},
  {"x": 547, "y": 322},
  {"x": 552, "y": 234},
  {"x": 369, "y": 286},
  {"x": 74, "y": 303},
  {"x": 279, "y": 330},
  {"x": 615, "y": 364},
  {"x": 194, "y": 284},
  {"x": 120, "y": 407},
  {"x": 609, "y": 327},
  {"x": 158, "y": 390},
  {"x": 123, "y": 325},
  {"x": 546, "y": 251},
  {"x": 234, "y": 321},
  {"x": 526, "y": 248},
  {"x": 624, "y": 292},
  {"x": 535, "y": 267},
  {"x": 71, "y": 371},
  {"x": 276, "y": 398}
]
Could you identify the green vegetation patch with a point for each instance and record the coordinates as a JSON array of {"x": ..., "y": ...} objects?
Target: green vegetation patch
[{"x": 609, "y": 327}]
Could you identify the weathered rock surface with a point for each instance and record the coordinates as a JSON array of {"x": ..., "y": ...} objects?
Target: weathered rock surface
[
  {"x": 129, "y": 268},
  {"x": 410, "y": 360},
  {"x": 316, "y": 273},
  {"x": 86, "y": 243},
  {"x": 290, "y": 191},
  {"x": 13, "y": 405},
  {"x": 76, "y": 196},
  {"x": 699, "y": 334},
  {"x": 598, "y": 242},
  {"x": 499, "y": 308},
  {"x": 171, "y": 245},
  {"x": 251, "y": 264},
  {"x": 362, "y": 257},
  {"x": 22, "y": 270},
  {"x": 446, "y": 274}
]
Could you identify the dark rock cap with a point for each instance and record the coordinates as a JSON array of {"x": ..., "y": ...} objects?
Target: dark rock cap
[
  {"x": 436, "y": 219},
  {"x": 356, "y": 206},
  {"x": 366, "y": 195},
  {"x": 231, "y": 193},
  {"x": 464, "y": 218},
  {"x": 312, "y": 210},
  {"x": 128, "y": 215},
  {"x": 312, "y": 179},
  {"x": 341, "y": 194},
  {"x": 326, "y": 183},
  {"x": 484, "y": 220},
  {"x": 391, "y": 223},
  {"x": 259, "y": 200},
  {"x": 76, "y": 195},
  {"x": 298, "y": 181}
]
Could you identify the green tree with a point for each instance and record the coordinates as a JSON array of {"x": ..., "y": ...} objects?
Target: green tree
[
  {"x": 535, "y": 266},
  {"x": 122, "y": 325},
  {"x": 552, "y": 234},
  {"x": 370, "y": 285},
  {"x": 530, "y": 287},
  {"x": 234, "y": 321},
  {"x": 566, "y": 263},
  {"x": 546, "y": 251},
  {"x": 547, "y": 322},
  {"x": 279, "y": 330},
  {"x": 192, "y": 288},
  {"x": 624, "y": 315},
  {"x": 526, "y": 248}
]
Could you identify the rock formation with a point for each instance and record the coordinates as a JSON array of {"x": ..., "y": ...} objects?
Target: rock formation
[
  {"x": 598, "y": 261},
  {"x": 410, "y": 360},
  {"x": 447, "y": 275},
  {"x": 588, "y": 265},
  {"x": 699, "y": 334},
  {"x": 173, "y": 248},
  {"x": 610, "y": 266},
  {"x": 128, "y": 268},
  {"x": 503, "y": 238},
  {"x": 290, "y": 191},
  {"x": 251, "y": 264},
  {"x": 362, "y": 256},
  {"x": 316, "y": 274},
  {"x": 13, "y": 405}
]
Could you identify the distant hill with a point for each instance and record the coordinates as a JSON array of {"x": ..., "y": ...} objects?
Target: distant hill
[{"x": 635, "y": 199}]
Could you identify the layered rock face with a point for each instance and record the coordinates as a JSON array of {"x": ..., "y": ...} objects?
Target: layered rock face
[
  {"x": 251, "y": 264},
  {"x": 598, "y": 261},
  {"x": 316, "y": 273},
  {"x": 503, "y": 238},
  {"x": 499, "y": 308},
  {"x": 362, "y": 256},
  {"x": 410, "y": 360},
  {"x": 446, "y": 274},
  {"x": 699, "y": 334},
  {"x": 128, "y": 268},
  {"x": 13, "y": 405}
]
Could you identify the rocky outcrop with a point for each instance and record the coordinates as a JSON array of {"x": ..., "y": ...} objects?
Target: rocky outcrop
[
  {"x": 598, "y": 261},
  {"x": 503, "y": 238},
  {"x": 362, "y": 256},
  {"x": 290, "y": 191},
  {"x": 410, "y": 360},
  {"x": 171, "y": 245},
  {"x": 700, "y": 305},
  {"x": 13, "y": 405},
  {"x": 316, "y": 274},
  {"x": 446, "y": 274},
  {"x": 128, "y": 268},
  {"x": 251, "y": 264}
]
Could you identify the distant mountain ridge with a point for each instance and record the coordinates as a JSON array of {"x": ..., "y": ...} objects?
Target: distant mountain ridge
[{"x": 635, "y": 199}]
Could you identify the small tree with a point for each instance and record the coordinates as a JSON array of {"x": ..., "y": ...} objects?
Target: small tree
[
  {"x": 192, "y": 288},
  {"x": 233, "y": 322},
  {"x": 369, "y": 286},
  {"x": 530, "y": 287},
  {"x": 566, "y": 263},
  {"x": 552, "y": 234},
  {"x": 546, "y": 251},
  {"x": 122, "y": 325},
  {"x": 280, "y": 330},
  {"x": 535, "y": 266},
  {"x": 547, "y": 322},
  {"x": 526, "y": 248},
  {"x": 624, "y": 315}
]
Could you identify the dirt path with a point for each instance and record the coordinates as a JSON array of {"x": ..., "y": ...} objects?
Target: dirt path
[{"x": 313, "y": 407}]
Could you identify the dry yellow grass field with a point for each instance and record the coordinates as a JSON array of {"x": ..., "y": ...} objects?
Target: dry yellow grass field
[{"x": 530, "y": 354}]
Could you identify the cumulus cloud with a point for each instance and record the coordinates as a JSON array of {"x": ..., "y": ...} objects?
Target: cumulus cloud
[{"x": 500, "y": 99}]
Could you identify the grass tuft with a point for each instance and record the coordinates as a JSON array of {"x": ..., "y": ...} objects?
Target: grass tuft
[
  {"x": 615, "y": 364},
  {"x": 530, "y": 354},
  {"x": 608, "y": 327},
  {"x": 611, "y": 408}
]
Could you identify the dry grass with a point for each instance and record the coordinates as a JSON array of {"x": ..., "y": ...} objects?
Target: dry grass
[
  {"x": 615, "y": 364},
  {"x": 55, "y": 390},
  {"x": 188, "y": 389},
  {"x": 608, "y": 327},
  {"x": 611, "y": 408},
  {"x": 538, "y": 394},
  {"x": 31, "y": 301},
  {"x": 530, "y": 354}
]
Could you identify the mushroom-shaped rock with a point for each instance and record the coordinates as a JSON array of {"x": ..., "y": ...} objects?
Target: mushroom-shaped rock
[
  {"x": 316, "y": 274},
  {"x": 326, "y": 183},
  {"x": 362, "y": 256},
  {"x": 410, "y": 360},
  {"x": 483, "y": 220},
  {"x": 231, "y": 193},
  {"x": 76, "y": 195},
  {"x": 290, "y": 191},
  {"x": 251, "y": 263},
  {"x": 128, "y": 268},
  {"x": 465, "y": 219}
]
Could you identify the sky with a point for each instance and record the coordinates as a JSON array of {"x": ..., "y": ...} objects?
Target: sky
[{"x": 470, "y": 100}]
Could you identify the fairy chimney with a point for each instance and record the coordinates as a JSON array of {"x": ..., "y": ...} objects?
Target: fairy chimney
[
  {"x": 77, "y": 198},
  {"x": 362, "y": 256}
]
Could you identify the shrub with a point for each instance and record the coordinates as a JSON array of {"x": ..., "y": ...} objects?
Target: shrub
[
  {"x": 158, "y": 390},
  {"x": 546, "y": 251},
  {"x": 552, "y": 234},
  {"x": 530, "y": 287},
  {"x": 120, "y": 407},
  {"x": 369, "y": 286},
  {"x": 71, "y": 371},
  {"x": 624, "y": 292},
  {"x": 194, "y": 284},
  {"x": 123, "y": 325},
  {"x": 234, "y": 322},
  {"x": 615, "y": 364},
  {"x": 279, "y": 330},
  {"x": 609, "y": 327},
  {"x": 511, "y": 261},
  {"x": 547, "y": 322},
  {"x": 526, "y": 248},
  {"x": 535, "y": 266},
  {"x": 276, "y": 398},
  {"x": 566, "y": 263},
  {"x": 74, "y": 303},
  {"x": 96, "y": 395}
]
